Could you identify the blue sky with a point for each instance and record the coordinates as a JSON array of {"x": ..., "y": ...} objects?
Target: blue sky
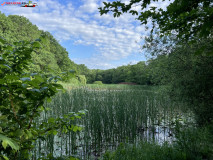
[{"x": 99, "y": 42}]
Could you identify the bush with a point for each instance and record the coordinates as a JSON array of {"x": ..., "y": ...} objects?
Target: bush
[
  {"x": 145, "y": 150},
  {"x": 74, "y": 81},
  {"x": 197, "y": 143},
  {"x": 82, "y": 79},
  {"x": 98, "y": 82}
]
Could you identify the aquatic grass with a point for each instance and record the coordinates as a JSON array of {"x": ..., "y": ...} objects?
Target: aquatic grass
[{"x": 116, "y": 113}]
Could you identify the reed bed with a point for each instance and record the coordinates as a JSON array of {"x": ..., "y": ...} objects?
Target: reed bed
[{"x": 115, "y": 114}]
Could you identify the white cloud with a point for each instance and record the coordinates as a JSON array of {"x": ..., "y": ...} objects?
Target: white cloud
[
  {"x": 113, "y": 38},
  {"x": 89, "y": 6}
]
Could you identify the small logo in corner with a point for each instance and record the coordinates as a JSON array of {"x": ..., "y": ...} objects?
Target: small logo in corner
[
  {"x": 30, "y": 4},
  {"x": 22, "y": 4}
]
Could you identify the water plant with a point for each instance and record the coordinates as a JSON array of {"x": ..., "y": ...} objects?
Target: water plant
[{"x": 116, "y": 113}]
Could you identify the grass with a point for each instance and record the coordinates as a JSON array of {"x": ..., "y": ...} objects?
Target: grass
[
  {"x": 116, "y": 114},
  {"x": 145, "y": 151}
]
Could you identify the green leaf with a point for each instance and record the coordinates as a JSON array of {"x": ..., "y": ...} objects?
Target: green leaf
[
  {"x": 34, "y": 132},
  {"x": 83, "y": 111},
  {"x": 51, "y": 120},
  {"x": 49, "y": 99},
  {"x": 54, "y": 132},
  {"x": 11, "y": 77},
  {"x": 2, "y": 41},
  {"x": 59, "y": 86},
  {"x": 75, "y": 128},
  {"x": 5, "y": 66},
  {"x": 19, "y": 133},
  {"x": 5, "y": 158},
  {"x": 29, "y": 134},
  {"x": 36, "y": 44},
  {"x": 2, "y": 81},
  {"x": 39, "y": 78},
  {"x": 4, "y": 144},
  {"x": 8, "y": 141}
]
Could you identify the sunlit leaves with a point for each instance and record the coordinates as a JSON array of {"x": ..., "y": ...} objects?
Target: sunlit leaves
[{"x": 6, "y": 141}]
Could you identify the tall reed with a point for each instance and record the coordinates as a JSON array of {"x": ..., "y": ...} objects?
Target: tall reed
[{"x": 115, "y": 114}]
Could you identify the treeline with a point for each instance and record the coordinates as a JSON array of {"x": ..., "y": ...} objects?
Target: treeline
[
  {"x": 51, "y": 58},
  {"x": 142, "y": 73}
]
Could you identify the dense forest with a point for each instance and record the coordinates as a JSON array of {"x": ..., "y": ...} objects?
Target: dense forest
[{"x": 44, "y": 95}]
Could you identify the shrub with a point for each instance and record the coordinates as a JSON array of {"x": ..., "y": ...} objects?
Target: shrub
[
  {"x": 98, "y": 82},
  {"x": 74, "y": 81},
  {"x": 197, "y": 143},
  {"x": 82, "y": 79},
  {"x": 145, "y": 150}
]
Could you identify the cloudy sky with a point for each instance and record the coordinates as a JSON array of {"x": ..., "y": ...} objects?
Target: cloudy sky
[{"x": 99, "y": 42}]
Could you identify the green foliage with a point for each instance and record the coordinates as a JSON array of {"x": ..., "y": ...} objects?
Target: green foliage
[
  {"x": 98, "y": 82},
  {"x": 147, "y": 151},
  {"x": 22, "y": 97},
  {"x": 189, "y": 19},
  {"x": 195, "y": 142},
  {"x": 82, "y": 79},
  {"x": 190, "y": 144},
  {"x": 131, "y": 73},
  {"x": 66, "y": 76},
  {"x": 8, "y": 142},
  {"x": 50, "y": 58},
  {"x": 50, "y": 157},
  {"x": 184, "y": 67},
  {"x": 191, "y": 81},
  {"x": 73, "y": 81}
]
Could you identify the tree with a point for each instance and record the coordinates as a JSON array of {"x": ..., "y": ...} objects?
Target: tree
[
  {"x": 18, "y": 28},
  {"x": 157, "y": 70},
  {"x": 189, "y": 19},
  {"x": 190, "y": 79},
  {"x": 22, "y": 97},
  {"x": 107, "y": 76}
]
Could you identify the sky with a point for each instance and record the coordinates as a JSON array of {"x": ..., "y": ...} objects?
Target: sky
[{"x": 99, "y": 42}]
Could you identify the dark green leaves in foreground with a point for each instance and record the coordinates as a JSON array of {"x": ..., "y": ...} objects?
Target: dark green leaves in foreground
[
  {"x": 8, "y": 142},
  {"x": 22, "y": 97}
]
